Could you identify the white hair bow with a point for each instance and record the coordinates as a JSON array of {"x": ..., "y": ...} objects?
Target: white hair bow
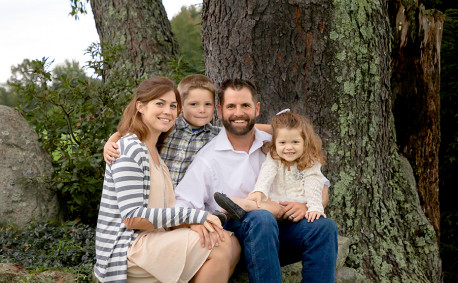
[{"x": 283, "y": 111}]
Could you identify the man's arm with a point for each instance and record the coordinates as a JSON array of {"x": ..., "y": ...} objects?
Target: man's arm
[
  {"x": 193, "y": 190},
  {"x": 265, "y": 128},
  {"x": 325, "y": 196}
]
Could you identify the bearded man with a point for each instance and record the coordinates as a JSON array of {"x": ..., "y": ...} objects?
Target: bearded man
[{"x": 230, "y": 164}]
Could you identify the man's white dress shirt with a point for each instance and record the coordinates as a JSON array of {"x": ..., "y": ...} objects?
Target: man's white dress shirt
[{"x": 217, "y": 167}]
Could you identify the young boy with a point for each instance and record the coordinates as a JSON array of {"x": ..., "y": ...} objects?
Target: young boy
[{"x": 192, "y": 128}]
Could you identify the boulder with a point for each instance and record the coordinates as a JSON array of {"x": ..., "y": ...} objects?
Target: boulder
[
  {"x": 10, "y": 272},
  {"x": 24, "y": 169}
]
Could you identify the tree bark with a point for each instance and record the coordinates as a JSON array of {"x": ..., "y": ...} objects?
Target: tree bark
[
  {"x": 136, "y": 36},
  {"x": 330, "y": 60},
  {"x": 415, "y": 87}
]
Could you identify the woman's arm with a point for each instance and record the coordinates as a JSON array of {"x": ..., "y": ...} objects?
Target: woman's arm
[{"x": 128, "y": 180}]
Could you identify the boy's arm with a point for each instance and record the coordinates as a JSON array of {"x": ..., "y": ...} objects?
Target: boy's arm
[
  {"x": 110, "y": 152},
  {"x": 265, "y": 128}
]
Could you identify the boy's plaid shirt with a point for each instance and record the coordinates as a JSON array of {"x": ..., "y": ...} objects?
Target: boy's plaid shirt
[{"x": 182, "y": 145}]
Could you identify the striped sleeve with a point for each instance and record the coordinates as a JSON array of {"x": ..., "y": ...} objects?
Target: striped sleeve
[{"x": 128, "y": 179}]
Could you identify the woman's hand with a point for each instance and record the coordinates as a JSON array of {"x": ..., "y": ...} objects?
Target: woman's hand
[
  {"x": 210, "y": 231},
  {"x": 294, "y": 211},
  {"x": 312, "y": 215},
  {"x": 212, "y": 223},
  {"x": 256, "y": 197}
]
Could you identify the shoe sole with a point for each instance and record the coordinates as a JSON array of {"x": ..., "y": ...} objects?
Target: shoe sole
[{"x": 228, "y": 205}]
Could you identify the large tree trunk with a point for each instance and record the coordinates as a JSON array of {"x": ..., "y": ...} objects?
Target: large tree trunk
[
  {"x": 136, "y": 35},
  {"x": 415, "y": 86},
  {"x": 330, "y": 60}
]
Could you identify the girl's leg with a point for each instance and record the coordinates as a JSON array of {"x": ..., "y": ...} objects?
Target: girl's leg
[
  {"x": 249, "y": 205},
  {"x": 221, "y": 262}
]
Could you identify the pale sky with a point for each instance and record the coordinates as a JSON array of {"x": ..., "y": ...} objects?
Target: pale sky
[{"x": 34, "y": 29}]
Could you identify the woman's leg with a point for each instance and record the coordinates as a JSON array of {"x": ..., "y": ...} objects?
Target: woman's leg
[{"x": 221, "y": 262}]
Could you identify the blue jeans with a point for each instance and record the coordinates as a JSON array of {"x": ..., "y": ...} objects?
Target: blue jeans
[{"x": 266, "y": 243}]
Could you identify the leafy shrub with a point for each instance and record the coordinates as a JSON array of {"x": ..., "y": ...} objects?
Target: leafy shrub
[
  {"x": 73, "y": 116},
  {"x": 69, "y": 247}
]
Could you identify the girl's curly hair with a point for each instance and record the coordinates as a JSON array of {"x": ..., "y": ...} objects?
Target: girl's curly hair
[{"x": 312, "y": 142}]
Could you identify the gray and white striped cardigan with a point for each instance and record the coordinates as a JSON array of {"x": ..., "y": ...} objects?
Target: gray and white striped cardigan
[{"x": 125, "y": 195}]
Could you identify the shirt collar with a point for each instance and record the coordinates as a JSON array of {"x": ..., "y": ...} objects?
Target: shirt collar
[
  {"x": 182, "y": 124},
  {"x": 222, "y": 141}
]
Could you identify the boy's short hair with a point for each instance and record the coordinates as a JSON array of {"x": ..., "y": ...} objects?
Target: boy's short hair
[{"x": 193, "y": 82}]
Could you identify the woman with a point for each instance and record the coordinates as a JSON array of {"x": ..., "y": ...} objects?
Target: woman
[{"x": 137, "y": 229}]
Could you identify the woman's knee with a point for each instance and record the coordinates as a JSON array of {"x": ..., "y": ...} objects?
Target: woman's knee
[{"x": 224, "y": 252}]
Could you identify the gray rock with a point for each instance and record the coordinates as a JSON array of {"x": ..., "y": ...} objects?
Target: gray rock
[
  {"x": 10, "y": 272},
  {"x": 24, "y": 167},
  {"x": 349, "y": 275},
  {"x": 342, "y": 253}
]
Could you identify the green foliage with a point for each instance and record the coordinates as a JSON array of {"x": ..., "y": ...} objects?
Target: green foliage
[
  {"x": 186, "y": 27},
  {"x": 179, "y": 69},
  {"x": 69, "y": 247},
  {"x": 8, "y": 97},
  {"x": 449, "y": 245},
  {"x": 448, "y": 153},
  {"x": 73, "y": 115},
  {"x": 78, "y": 7}
]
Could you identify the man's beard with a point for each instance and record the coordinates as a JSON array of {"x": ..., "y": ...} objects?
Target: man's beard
[{"x": 238, "y": 130}]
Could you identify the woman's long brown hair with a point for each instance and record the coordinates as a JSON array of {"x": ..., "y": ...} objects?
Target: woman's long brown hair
[{"x": 150, "y": 89}]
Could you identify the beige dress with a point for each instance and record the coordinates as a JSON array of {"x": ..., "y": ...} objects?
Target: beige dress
[{"x": 160, "y": 255}]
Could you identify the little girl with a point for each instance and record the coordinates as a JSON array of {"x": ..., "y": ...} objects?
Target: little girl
[{"x": 291, "y": 172}]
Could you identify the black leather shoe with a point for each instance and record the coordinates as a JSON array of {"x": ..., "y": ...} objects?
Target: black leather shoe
[
  {"x": 231, "y": 207},
  {"x": 222, "y": 216}
]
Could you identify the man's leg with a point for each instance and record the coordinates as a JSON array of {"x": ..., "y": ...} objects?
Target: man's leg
[
  {"x": 258, "y": 235},
  {"x": 314, "y": 243}
]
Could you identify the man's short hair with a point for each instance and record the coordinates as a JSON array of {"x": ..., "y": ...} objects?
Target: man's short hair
[
  {"x": 195, "y": 82},
  {"x": 237, "y": 84}
]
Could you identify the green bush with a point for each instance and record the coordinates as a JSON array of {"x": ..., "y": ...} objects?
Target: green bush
[
  {"x": 73, "y": 116},
  {"x": 39, "y": 247}
]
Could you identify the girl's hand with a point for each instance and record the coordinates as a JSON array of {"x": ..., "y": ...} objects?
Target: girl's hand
[
  {"x": 256, "y": 197},
  {"x": 110, "y": 152},
  {"x": 293, "y": 211},
  {"x": 312, "y": 215}
]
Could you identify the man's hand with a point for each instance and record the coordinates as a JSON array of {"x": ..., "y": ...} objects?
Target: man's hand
[
  {"x": 256, "y": 197},
  {"x": 293, "y": 211}
]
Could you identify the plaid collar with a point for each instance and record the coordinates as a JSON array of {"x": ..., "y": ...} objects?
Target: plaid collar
[{"x": 183, "y": 125}]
